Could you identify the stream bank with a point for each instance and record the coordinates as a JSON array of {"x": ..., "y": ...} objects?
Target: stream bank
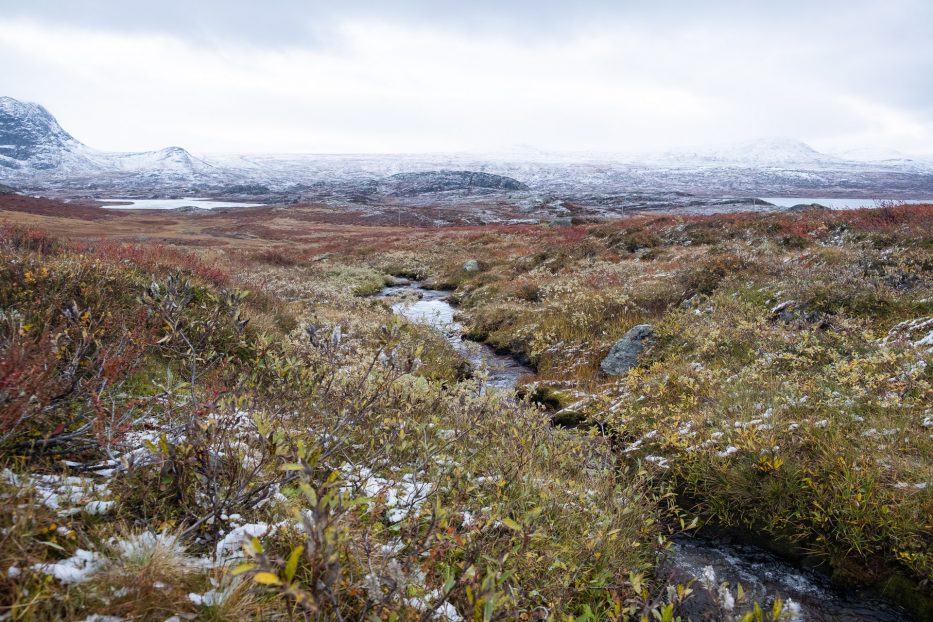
[{"x": 808, "y": 595}]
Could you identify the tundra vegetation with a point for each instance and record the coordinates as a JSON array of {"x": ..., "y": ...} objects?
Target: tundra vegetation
[{"x": 232, "y": 432}]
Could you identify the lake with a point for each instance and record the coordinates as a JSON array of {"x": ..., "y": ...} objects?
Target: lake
[
  {"x": 840, "y": 203},
  {"x": 173, "y": 203}
]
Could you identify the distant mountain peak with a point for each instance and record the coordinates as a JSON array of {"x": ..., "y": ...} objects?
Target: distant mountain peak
[
  {"x": 31, "y": 137},
  {"x": 761, "y": 152},
  {"x": 33, "y": 144}
]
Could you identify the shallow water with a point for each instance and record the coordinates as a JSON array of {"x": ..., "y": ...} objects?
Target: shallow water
[
  {"x": 841, "y": 203},
  {"x": 432, "y": 309},
  {"x": 762, "y": 575},
  {"x": 160, "y": 204}
]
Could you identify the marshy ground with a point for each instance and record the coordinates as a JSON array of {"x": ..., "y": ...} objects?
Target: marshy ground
[{"x": 328, "y": 460}]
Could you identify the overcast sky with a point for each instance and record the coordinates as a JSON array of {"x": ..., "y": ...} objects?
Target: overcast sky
[{"x": 408, "y": 76}]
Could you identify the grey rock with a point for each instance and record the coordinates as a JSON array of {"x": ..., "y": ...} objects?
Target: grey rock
[
  {"x": 411, "y": 184},
  {"x": 624, "y": 354},
  {"x": 471, "y": 265},
  {"x": 803, "y": 207},
  {"x": 563, "y": 221},
  {"x": 794, "y": 311},
  {"x": 311, "y": 332},
  {"x": 251, "y": 189}
]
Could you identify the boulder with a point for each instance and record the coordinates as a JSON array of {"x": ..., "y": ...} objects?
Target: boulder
[
  {"x": 624, "y": 354},
  {"x": 471, "y": 265}
]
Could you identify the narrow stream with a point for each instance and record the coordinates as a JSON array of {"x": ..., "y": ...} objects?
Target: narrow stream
[
  {"x": 809, "y": 596},
  {"x": 428, "y": 306}
]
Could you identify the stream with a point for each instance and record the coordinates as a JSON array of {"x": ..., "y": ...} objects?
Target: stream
[
  {"x": 808, "y": 596},
  {"x": 430, "y": 307}
]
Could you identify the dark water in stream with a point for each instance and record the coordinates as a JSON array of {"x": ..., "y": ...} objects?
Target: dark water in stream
[{"x": 808, "y": 596}]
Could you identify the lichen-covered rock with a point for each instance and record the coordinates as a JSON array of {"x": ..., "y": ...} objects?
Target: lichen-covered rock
[
  {"x": 624, "y": 354},
  {"x": 471, "y": 266}
]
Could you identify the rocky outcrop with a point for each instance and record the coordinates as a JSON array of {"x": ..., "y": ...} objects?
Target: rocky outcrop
[
  {"x": 427, "y": 182},
  {"x": 624, "y": 354}
]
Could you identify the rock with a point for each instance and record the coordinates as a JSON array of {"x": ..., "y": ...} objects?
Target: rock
[
  {"x": 803, "y": 207},
  {"x": 624, "y": 354},
  {"x": 563, "y": 221},
  {"x": 703, "y": 603},
  {"x": 471, "y": 266},
  {"x": 427, "y": 182},
  {"x": 247, "y": 189},
  {"x": 395, "y": 281},
  {"x": 795, "y": 311},
  {"x": 785, "y": 311}
]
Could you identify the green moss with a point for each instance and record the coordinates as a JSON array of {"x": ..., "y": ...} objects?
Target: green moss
[{"x": 905, "y": 592}]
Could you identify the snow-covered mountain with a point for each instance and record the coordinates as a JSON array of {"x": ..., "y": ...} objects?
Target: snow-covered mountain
[
  {"x": 888, "y": 157},
  {"x": 32, "y": 142},
  {"x": 768, "y": 152},
  {"x": 37, "y": 154},
  {"x": 34, "y": 147}
]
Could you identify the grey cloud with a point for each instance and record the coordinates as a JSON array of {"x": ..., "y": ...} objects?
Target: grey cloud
[
  {"x": 788, "y": 61},
  {"x": 303, "y": 22}
]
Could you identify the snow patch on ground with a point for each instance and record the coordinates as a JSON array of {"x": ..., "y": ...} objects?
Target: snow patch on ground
[
  {"x": 65, "y": 495},
  {"x": 76, "y": 569}
]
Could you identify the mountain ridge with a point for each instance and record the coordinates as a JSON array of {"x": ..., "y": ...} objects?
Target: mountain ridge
[
  {"x": 37, "y": 154},
  {"x": 33, "y": 144}
]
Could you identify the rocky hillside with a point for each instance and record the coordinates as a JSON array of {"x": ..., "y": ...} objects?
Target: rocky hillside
[
  {"x": 407, "y": 184},
  {"x": 35, "y": 148}
]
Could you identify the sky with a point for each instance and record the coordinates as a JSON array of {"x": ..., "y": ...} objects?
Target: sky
[{"x": 623, "y": 76}]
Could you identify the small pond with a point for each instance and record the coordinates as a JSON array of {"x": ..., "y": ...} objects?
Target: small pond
[{"x": 164, "y": 204}]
